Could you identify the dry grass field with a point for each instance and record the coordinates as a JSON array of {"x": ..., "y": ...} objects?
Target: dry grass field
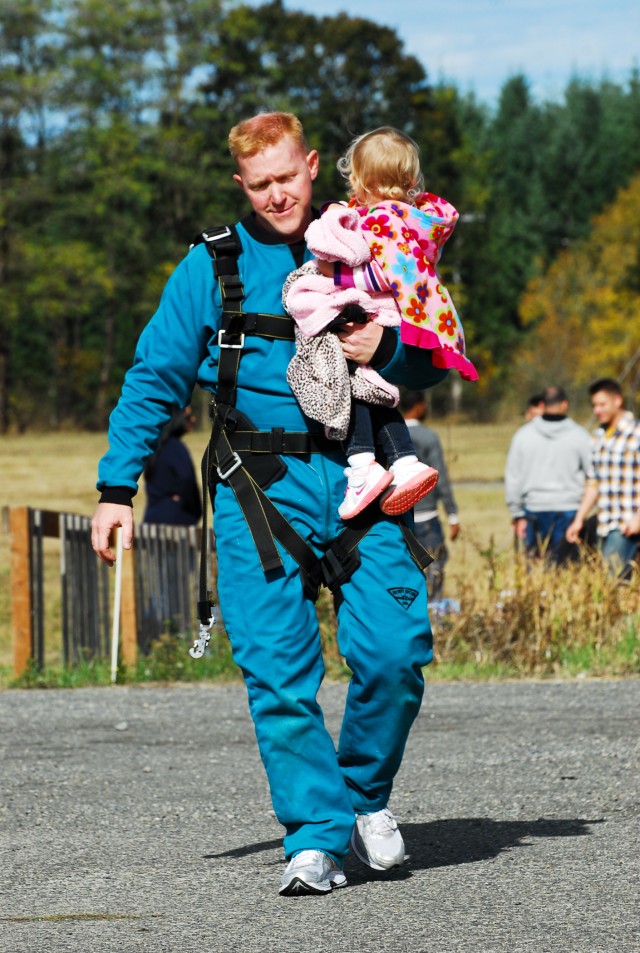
[
  {"x": 516, "y": 619},
  {"x": 58, "y": 471}
]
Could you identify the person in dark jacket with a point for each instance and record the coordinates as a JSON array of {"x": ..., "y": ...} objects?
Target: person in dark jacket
[
  {"x": 173, "y": 496},
  {"x": 428, "y": 527}
]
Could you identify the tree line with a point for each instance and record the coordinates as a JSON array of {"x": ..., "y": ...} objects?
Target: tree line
[{"x": 113, "y": 126}]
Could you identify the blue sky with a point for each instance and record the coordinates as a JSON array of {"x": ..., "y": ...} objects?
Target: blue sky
[{"x": 478, "y": 44}]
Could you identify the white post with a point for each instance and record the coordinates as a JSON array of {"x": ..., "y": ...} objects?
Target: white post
[{"x": 117, "y": 596}]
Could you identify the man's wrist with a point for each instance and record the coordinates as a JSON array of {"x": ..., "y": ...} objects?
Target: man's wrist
[
  {"x": 385, "y": 349},
  {"x": 121, "y": 495}
]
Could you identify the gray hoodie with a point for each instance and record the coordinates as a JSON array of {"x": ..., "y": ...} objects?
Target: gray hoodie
[{"x": 546, "y": 466}]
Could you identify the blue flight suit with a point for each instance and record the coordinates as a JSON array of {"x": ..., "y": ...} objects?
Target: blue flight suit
[{"x": 383, "y": 627}]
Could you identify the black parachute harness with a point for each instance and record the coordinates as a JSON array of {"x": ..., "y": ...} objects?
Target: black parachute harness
[{"x": 250, "y": 460}]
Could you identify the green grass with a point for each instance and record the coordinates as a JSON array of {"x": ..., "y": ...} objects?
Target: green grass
[
  {"x": 623, "y": 657},
  {"x": 168, "y": 661},
  {"x": 455, "y": 671}
]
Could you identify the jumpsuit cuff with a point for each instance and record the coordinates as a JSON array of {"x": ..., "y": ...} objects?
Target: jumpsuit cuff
[
  {"x": 385, "y": 349},
  {"x": 122, "y": 495}
]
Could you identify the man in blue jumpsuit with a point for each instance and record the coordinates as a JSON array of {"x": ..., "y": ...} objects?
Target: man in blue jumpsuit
[{"x": 325, "y": 799}]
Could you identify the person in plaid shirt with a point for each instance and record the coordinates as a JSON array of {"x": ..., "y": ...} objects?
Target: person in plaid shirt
[{"x": 613, "y": 479}]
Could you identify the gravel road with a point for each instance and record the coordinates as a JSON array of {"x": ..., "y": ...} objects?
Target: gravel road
[{"x": 138, "y": 819}]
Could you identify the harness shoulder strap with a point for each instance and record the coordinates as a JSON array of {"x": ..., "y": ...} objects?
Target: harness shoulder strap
[
  {"x": 221, "y": 461},
  {"x": 224, "y": 247}
]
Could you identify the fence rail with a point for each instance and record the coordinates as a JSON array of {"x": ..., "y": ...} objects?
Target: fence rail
[{"x": 159, "y": 587}]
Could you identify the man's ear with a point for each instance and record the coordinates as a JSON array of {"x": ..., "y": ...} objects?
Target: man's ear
[
  {"x": 238, "y": 180},
  {"x": 313, "y": 161}
]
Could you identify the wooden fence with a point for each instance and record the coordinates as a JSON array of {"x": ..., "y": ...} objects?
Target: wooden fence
[{"x": 159, "y": 588}]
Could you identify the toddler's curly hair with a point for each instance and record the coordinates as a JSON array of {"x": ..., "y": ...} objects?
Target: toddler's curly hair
[{"x": 382, "y": 164}]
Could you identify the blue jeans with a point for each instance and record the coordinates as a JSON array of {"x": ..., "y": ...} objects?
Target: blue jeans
[
  {"x": 386, "y": 424},
  {"x": 620, "y": 551},
  {"x": 430, "y": 534},
  {"x": 546, "y": 535}
]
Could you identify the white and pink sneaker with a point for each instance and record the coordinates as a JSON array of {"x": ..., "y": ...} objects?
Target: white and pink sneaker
[
  {"x": 411, "y": 481},
  {"x": 365, "y": 484}
]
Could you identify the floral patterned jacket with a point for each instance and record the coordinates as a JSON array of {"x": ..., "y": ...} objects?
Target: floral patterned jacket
[{"x": 406, "y": 242}]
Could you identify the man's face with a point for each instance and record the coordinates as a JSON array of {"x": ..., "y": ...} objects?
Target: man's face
[
  {"x": 278, "y": 183},
  {"x": 607, "y": 408}
]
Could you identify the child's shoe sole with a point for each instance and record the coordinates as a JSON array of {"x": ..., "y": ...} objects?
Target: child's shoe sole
[{"x": 403, "y": 497}]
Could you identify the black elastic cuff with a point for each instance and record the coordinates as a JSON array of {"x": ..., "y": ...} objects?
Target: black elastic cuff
[
  {"x": 385, "y": 349},
  {"x": 123, "y": 495}
]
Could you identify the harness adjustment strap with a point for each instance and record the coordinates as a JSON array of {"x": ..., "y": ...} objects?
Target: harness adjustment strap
[
  {"x": 205, "y": 609},
  {"x": 421, "y": 556},
  {"x": 337, "y": 565},
  {"x": 277, "y": 439},
  {"x": 275, "y": 326},
  {"x": 233, "y": 288},
  {"x": 281, "y": 441}
]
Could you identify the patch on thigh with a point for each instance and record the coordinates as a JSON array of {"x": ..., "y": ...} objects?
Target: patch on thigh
[{"x": 403, "y": 596}]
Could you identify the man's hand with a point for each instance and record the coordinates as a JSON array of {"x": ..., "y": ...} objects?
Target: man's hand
[
  {"x": 520, "y": 527},
  {"x": 454, "y": 530},
  {"x": 632, "y": 526},
  {"x": 360, "y": 341},
  {"x": 588, "y": 501},
  {"x": 105, "y": 519},
  {"x": 573, "y": 530}
]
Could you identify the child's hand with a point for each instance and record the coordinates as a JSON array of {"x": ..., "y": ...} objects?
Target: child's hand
[{"x": 324, "y": 267}]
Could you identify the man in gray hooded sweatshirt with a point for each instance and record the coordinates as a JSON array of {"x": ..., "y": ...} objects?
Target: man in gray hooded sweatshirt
[{"x": 544, "y": 478}]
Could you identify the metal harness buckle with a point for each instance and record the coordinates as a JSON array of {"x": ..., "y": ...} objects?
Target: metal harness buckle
[
  {"x": 224, "y": 232},
  {"x": 237, "y": 346},
  {"x": 237, "y": 462},
  {"x": 200, "y": 644}
]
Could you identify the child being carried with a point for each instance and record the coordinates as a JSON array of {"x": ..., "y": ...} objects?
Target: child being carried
[{"x": 383, "y": 247}]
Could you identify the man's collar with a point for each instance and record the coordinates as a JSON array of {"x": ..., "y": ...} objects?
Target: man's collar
[{"x": 624, "y": 424}]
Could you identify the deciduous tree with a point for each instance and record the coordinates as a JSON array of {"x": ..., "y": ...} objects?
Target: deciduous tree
[{"x": 584, "y": 312}]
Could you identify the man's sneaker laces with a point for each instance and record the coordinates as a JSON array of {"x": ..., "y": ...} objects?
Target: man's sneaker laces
[{"x": 376, "y": 840}]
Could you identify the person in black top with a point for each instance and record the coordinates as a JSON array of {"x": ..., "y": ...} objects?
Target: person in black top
[{"x": 173, "y": 496}]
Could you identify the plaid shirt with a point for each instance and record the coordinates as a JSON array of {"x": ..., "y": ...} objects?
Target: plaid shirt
[{"x": 615, "y": 469}]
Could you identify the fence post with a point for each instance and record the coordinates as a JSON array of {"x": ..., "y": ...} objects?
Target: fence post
[
  {"x": 128, "y": 614},
  {"x": 21, "y": 607}
]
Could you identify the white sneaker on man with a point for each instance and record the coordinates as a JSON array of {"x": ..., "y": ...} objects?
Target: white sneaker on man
[
  {"x": 364, "y": 485},
  {"x": 311, "y": 872},
  {"x": 376, "y": 840}
]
